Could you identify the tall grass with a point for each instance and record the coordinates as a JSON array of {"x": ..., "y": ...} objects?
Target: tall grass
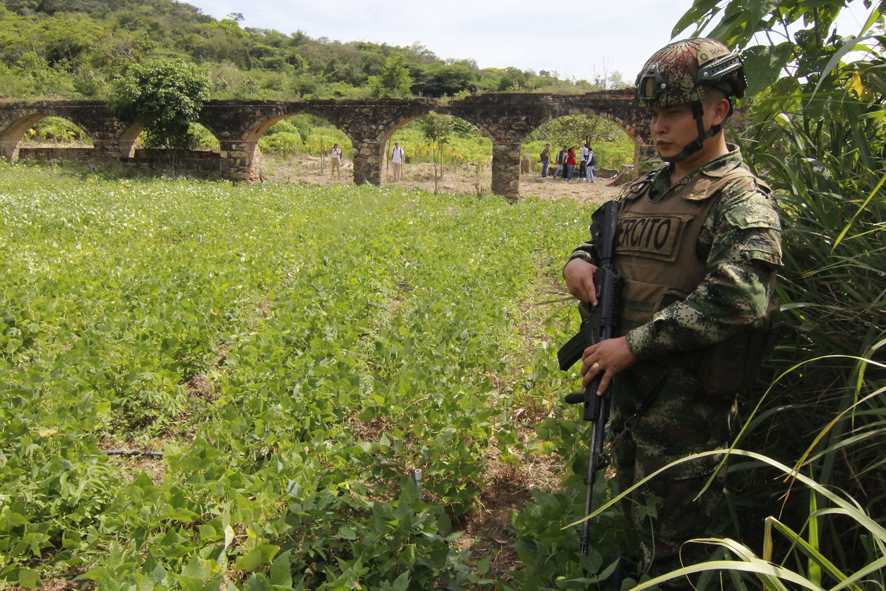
[{"x": 828, "y": 171}]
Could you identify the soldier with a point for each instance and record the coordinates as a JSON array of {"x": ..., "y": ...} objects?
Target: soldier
[{"x": 698, "y": 244}]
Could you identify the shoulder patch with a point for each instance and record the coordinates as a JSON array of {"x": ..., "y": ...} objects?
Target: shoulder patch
[{"x": 754, "y": 213}]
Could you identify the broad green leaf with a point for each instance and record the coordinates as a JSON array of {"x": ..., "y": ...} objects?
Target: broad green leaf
[
  {"x": 699, "y": 9},
  {"x": 262, "y": 554},
  {"x": 401, "y": 583},
  {"x": 229, "y": 536},
  {"x": 281, "y": 573},
  {"x": 29, "y": 579},
  {"x": 767, "y": 62},
  {"x": 483, "y": 566}
]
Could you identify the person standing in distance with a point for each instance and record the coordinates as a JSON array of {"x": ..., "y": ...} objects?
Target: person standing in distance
[
  {"x": 584, "y": 160},
  {"x": 545, "y": 158},
  {"x": 591, "y": 164},
  {"x": 699, "y": 243},
  {"x": 397, "y": 158},
  {"x": 561, "y": 162},
  {"x": 335, "y": 159},
  {"x": 570, "y": 164}
]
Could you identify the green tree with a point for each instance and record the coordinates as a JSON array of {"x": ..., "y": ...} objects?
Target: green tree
[
  {"x": 165, "y": 95},
  {"x": 437, "y": 129},
  {"x": 395, "y": 81},
  {"x": 574, "y": 130},
  {"x": 438, "y": 80}
]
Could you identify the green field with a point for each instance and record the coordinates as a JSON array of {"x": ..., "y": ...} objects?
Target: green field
[{"x": 295, "y": 352}]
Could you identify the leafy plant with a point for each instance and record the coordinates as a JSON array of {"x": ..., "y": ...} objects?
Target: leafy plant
[
  {"x": 395, "y": 81},
  {"x": 166, "y": 96},
  {"x": 295, "y": 353}
]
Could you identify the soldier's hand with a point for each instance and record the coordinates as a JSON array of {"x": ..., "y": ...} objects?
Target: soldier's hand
[
  {"x": 579, "y": 276},
  {"x": 607, "y": 357}
]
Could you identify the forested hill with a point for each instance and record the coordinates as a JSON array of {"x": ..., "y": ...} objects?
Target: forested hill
[{"x": 75, "y": 48}]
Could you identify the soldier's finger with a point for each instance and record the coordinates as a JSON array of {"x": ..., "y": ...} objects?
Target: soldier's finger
[
  {"x": 589, "y": 371},
  {"x": 604, "y": 383},
  {"x": 591, "y": 291}
]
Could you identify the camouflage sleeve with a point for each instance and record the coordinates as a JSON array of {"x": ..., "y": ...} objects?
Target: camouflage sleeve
[
  {"x": 744, "y": 235},
  {"x": 584, "y": 251}
]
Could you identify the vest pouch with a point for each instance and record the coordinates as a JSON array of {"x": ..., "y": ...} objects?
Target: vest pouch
[
  {"x": 734, "y": 364},
  {"x": 639, "y": 301}
]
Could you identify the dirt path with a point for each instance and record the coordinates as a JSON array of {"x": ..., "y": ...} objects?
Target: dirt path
[{"x": 461, "y": 181}]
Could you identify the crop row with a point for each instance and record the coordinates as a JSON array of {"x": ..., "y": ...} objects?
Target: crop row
[{"x": 296, "y": 353}]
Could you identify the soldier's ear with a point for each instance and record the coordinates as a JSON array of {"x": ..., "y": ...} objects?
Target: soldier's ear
[{"x": 721, "y": 109}]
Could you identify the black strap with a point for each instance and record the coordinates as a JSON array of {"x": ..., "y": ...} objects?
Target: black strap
[{"x": 647, "y": 402}]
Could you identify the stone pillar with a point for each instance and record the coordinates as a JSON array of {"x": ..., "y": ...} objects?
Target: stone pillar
[
  {"x": 506, "y": 169},
  {"x": 9, "y": 149},
  {"x": 368, "y": 161},
  {"x": 240, "y": 161}
]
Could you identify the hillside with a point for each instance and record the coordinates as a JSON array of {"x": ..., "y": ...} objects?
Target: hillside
[{"x": 75, "y": 48}]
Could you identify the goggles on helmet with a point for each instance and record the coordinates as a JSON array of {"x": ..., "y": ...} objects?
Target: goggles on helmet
[
  {"x": 725, "y": 73},
  {"x": 651, "y": 84}
]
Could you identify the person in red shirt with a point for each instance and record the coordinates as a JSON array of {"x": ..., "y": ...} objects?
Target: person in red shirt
[{"x": 570, "y": 163}]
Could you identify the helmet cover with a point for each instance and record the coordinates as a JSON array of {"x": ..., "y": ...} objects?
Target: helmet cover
[{"x": 683, "y": 72}]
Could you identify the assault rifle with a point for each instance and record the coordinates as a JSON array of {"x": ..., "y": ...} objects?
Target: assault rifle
[{"x": 597, "y": 325}]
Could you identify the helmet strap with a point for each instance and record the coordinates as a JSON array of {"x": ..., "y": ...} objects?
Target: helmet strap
[{"x": 698, "y": 143}]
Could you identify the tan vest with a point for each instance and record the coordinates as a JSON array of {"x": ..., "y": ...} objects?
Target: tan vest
[{"x": 656, "y": 243}]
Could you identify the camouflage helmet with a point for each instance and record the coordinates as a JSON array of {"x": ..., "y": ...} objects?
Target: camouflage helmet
[{"x": 682, "y": 72}]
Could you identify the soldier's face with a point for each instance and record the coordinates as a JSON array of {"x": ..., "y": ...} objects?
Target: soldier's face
[{"x": 672, "y": 129}]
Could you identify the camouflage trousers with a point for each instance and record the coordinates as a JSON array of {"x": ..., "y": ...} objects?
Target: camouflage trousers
[{"x": 683, "y": 420}]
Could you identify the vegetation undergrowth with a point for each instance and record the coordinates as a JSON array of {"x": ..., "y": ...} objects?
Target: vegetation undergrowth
[{"x": 296, "y": 353}]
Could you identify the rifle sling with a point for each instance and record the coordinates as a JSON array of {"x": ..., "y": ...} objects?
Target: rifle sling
[{"x": 647, "y": 402}]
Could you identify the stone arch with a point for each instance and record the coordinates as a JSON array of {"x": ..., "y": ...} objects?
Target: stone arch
[
  {"x": 128, "y": 138},
  {"x": 389, "y": 133},
  {"x": 619, "y": 107},
  {"x": 505, "y": 118},
  {"x": 12, "y": 133},
  {"x": 636, "y": 136},
  {"x": 259, "y": 128}
]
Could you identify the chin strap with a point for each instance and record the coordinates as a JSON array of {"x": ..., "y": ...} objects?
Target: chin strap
[{"x": 695, "y": 146}]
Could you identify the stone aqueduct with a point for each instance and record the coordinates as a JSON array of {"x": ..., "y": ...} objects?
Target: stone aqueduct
[{"x": 506, "y": 119}]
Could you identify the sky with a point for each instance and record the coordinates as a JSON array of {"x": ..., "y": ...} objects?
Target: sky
[{"x": 587, "y": 39}]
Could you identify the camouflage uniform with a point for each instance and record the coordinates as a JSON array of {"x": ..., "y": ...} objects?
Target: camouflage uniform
[{"x": 740, "y": 246}]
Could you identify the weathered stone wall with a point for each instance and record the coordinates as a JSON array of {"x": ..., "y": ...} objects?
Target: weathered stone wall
[
  {"x": 506, "y": 119},
  {"x": 75, "y": 154},
  {"x": 94, "y": 117},
  {"x": 199, "y": 161}
]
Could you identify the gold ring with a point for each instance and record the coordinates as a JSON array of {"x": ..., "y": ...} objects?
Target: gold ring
[{"x": 595, "y": 367}]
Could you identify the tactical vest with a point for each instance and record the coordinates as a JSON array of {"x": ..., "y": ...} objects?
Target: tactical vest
[{"x": 655, "y": 253}]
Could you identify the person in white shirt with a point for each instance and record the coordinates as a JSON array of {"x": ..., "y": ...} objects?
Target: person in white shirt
[
  {"x": 335, "y": 157},
  {"x": 397, "y": 157},
  {"x": 589, "y": 167},
  {"x": 584, "y": 159}
]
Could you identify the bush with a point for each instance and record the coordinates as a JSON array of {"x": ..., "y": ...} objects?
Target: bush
[{"x": 166, "y": 96}]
